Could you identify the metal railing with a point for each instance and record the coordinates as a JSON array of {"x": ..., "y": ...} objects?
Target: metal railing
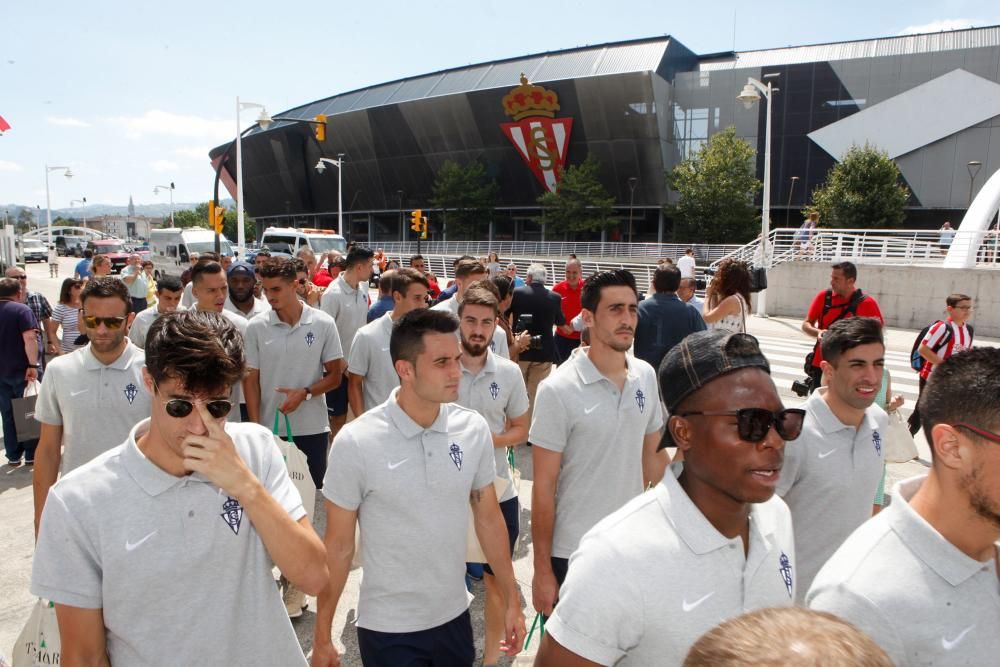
[{"x": 706, "y": 253}]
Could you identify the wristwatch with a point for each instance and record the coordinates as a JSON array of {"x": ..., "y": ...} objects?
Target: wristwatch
[
  {"x": 34, "y": 365},
  {"x": 309, "y": 394}
]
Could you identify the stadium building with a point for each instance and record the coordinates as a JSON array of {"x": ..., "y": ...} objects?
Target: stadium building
[{"x": 931, "y": 101}]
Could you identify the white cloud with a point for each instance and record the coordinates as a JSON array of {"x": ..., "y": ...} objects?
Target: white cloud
[
  {"x": 940, "y": 25},
  {"x": 6, "y": 165},
  {"x": 66, "y": 122},
  {"x": 175, "y": 125},
  {"x": 163, "y": 166},
  {"x": 199, "y": 153}
]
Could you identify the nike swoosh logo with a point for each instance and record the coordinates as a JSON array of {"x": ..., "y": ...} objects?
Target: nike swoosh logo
[
  {"x": 393, "y": 466},
  {"x": 689, "y": 606},
  {"x": 587, "y": 411},
  {"x": 948, "y": 645},
  {"x": 130, "y": 546},
  {"x": 77, "y": 393},
  {"x": 268, "y": 342},
  {"x": 823, "y": 455},
  {"x": 385, "y": 349}
]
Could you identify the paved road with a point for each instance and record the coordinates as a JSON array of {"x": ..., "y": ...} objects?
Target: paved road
[{"x": 781, "y": 340}]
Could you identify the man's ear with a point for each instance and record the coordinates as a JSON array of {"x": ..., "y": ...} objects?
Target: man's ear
[
  {"x": 147, "y": 380},
  {"x": 404, "y": 369},
  {"x": 946, "y": 442},
  {"x": 680, "y": 431}
]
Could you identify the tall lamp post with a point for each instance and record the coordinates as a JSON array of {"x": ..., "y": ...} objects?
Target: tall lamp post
[
  {"x": 632, "y": 182},
  {"x": 84, "y": 208},
  {"x": 974, "y": 166},
  {"x": 339, "y": 164},
  {"x": 48, "y": 204},
  {"x": 749, "y": 95},
  {"x": 264, "y": 121},
  {"x": 170, "y": 188},
  {"x": 402, "y": 230},
  {"x": 788, "y": 209}
]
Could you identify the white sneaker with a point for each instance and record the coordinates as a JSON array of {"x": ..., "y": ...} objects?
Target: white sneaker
[{"x": 294, "y": 599}]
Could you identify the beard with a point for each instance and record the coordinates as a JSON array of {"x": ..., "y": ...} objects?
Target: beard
[
  {"x": 473, "y": 349},
  {"x": 979, "y": 497}
]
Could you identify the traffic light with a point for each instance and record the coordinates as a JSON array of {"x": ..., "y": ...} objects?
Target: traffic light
[
  {"x": 320, "y": 127},
  {"x": 216, "y": 217},
  {"x": 416, "y": 221},
  {"x": 423, "y": 228}
]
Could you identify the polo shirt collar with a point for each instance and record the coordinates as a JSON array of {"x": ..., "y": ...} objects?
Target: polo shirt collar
[
  {"x": 150, "y": 477},
  {"x": 405, "y": 424},
  {"x": 346, "y": 286},
  {"x": 305, "y": 318},
  {"x": 666, "y": 296},
  {"x": 124, "y": 360},
  {"x": 828, "y": 421},
  {"x": 924, "y": 541},
  {"x": 588, "y": 372},
  {"x": 489, "y": 367}
]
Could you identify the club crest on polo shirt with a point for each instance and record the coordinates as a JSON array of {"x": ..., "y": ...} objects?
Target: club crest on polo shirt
[
  {"x": 456, "y": 455},
  {"x": 785, "y": 570},
  {"x": 232, "y": 514},
  {"x": 310, "y": 338},
  {"x": 131, "y": 391},
  {"x": 877, "y": 441},
  {"x": 640, "y": 400},
  {"x": 494, "y": 390}
]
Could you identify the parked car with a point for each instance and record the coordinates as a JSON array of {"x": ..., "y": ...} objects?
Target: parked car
[
  {"x": 33, "y": 250},
  {"x": 115, "y": 251},
  {"x": 71, "y": 246}
]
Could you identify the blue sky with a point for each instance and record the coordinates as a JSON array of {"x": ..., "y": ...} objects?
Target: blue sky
[{"x": 134, "y": 94}]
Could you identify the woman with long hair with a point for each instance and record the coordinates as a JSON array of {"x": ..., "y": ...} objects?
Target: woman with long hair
[
  {"x": 727, "y": 298},
  {"x": 493, "y": 265},
  {"x": 65, "y": 314},
  {"x": 101, "y": 266}
]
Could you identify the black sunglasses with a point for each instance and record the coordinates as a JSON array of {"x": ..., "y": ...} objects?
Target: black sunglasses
[
  {"x": 92, "y": 322},
  {"x": 753, "y": 424},
  {"x": 180, "y": 408}
]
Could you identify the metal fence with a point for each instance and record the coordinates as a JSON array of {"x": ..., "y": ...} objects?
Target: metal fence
[{"x": 706, "y": 253}]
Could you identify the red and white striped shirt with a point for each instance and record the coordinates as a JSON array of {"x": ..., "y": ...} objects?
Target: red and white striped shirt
[{"x": 961, "y": 339}]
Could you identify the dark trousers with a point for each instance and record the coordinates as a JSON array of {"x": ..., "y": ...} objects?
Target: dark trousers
[
  {"x": 914, "y": 421},
  {"x": 447, "y": 645},
  {"x": 314, "y": 447},
  {"x": 560, "y": 566},
  {"x": 565, "y": 346},
  {"x": 12, "y": 387}
]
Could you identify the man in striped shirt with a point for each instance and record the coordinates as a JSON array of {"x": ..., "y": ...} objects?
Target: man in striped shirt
[{"x": 943, "y": 339}]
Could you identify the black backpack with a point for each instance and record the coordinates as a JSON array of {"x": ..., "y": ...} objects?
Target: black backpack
[{"x": 917, "y": 362}]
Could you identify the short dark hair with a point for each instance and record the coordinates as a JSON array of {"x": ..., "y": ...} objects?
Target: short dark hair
[
  {"x": 201, "y": 350},
  {"x": 208, "y": 256},
  {"x": 386, "y": 280},
  {"x": 503, "y": 285},
  {"x": 403, "y": 278},
  {"x": 666, "y": 278},
  {"x": 88, "y": 253},
  {"x": 590, "y": 295},
  {"x": 416, "y": 258},
  {"x": 263, "y": 252},
  {"x": 963, "y": 389},
  {"x": 848, "y": 269},
  {"x": 407, "y": 340},
  {"x": 201, "y": 268},
  {"x": 469, "y": 267},
  {"x": 169, "y": 283},
  {"x": 456, "y": 261},
  {"x": 67, "y": 286},
  {"x": 849, "y": 333},
  {"x": 955, "y": 299},
  {"x": 106, "y": 288},
  {"x": 300, "y": 265},
  {"x": 481, "y": 293},
  {"x": 9, "y": 287},
  {"x": 279, "y": 267},
  {"x": 359, "y": 255}
]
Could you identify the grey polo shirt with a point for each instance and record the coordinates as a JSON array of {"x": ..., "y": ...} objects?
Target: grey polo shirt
[
  {"x": 96, "y": 405},
  {"x": 370, "y": 359},
  {"x": 497, "y": 392},
  {"x": 142, "y": 322},
  {"x": 498, "y": 345},
  {"x": 919, "y": 597},
  {"x": 348, "y": 307},
  {"x": 259, "y": 306},
  {"x": 410, "y": 487},
  {"x": 177, "y": 567},
  {"x": 599, "y": 432},
  {"x": 292, "y": 356},
  {"x": 828, "y": 479},
  {"x": 652, "y": 577},
  {"x": 236, "y": 392}
]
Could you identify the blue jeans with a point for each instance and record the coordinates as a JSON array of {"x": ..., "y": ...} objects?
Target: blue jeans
[{"x": 12, "y": 387}]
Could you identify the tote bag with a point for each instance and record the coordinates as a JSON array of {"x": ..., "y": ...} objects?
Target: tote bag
[
  {"x": 899, "y": 446},
  {"x": 38, "y": 643},
  {"x": 297, "y": 464}
]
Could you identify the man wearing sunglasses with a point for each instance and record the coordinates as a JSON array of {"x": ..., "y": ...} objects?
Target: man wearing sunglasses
[
  {"x": 91, "y": 398},
  {"x": 921, "y": 577},
  {"x": 179, "y": 526},
  {"x": 833, "y": 471},
  {"x": 708, "y": 543}
]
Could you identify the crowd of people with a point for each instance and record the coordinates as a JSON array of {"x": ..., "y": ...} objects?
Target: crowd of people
[{"x": 680, "y": 512}]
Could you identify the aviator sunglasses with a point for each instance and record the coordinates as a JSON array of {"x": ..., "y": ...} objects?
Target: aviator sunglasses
[
  {"x": 753, "y": 424},
  {"x": 92, "y": 321}
]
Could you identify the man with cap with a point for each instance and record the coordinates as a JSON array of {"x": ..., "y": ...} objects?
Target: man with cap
[
  {"x": 595, "y": 429},
  {"x": 708, "y": 543},
  {"x": 168, "y": 299},
  {"x": 921, "y": 577},
  {"x": 241, "y": 277}
]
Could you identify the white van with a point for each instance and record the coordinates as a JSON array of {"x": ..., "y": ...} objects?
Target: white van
[
  {"x": 170, "y": 248},
  {"x": 288, "y": 240}
]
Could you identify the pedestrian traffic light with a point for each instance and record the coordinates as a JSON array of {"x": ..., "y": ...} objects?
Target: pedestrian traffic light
[
  {"x": 416, "y": 221},
  {"x": 216, "y": 217},
  {"x": 320, "y": 127}
]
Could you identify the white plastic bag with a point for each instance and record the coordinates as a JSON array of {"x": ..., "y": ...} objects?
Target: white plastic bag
[
  {"x": 38, "y": 643},
  {"x": 298, "y": 466},
  {"x": 899, "y": 445}
]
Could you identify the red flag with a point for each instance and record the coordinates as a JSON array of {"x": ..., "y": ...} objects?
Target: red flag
[{"x": 4, "y": 125}]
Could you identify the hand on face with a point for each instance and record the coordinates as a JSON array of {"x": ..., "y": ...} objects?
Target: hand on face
[{"x": 214, "y": 455}]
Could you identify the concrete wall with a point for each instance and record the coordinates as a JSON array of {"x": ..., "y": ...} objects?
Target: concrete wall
[{"x": 911, "y": 297}]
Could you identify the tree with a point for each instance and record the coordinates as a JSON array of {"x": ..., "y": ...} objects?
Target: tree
[
  {"x": 199, "y": 218},
  {"x": 862, "y": 191},
  {"x": 25, "y": 221},
  {"x": 716, "y": 187},
  {"x": 191, "y": 218},
  {"x": 580, "y": 203},
  {"x": 466, "y": 194}
]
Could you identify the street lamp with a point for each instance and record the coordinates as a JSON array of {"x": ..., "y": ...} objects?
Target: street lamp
[
  {"x": 632, "y": 181},
  {"x": 264, "y": 121},
  {"x": 339, "y": 164},
  {"x": 170, "y": 188},
  {"x": 84, "y": 208},
  {"x": 402, "y": 231},
  {"x": 788, "y": 209},
  {"x": 749, "y": 95},
  {"x": 48, "y": 204},
  {"x": 974, "y": 166}
]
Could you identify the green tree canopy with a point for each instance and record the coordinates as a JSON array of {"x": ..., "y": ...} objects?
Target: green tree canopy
[
  {"x": 466, "y": 194},
  {"x": 716, "y": 187},
  {"x": 862, "y": 191},
  {"x": 580, "y": 203},
  {"x": 25, "y": 220},
  {"x": 199, "y": 218}
]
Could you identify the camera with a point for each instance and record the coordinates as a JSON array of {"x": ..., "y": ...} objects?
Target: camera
[
  {"x": 803, "y": 387},
  {"x": 523, "y": 323}
]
